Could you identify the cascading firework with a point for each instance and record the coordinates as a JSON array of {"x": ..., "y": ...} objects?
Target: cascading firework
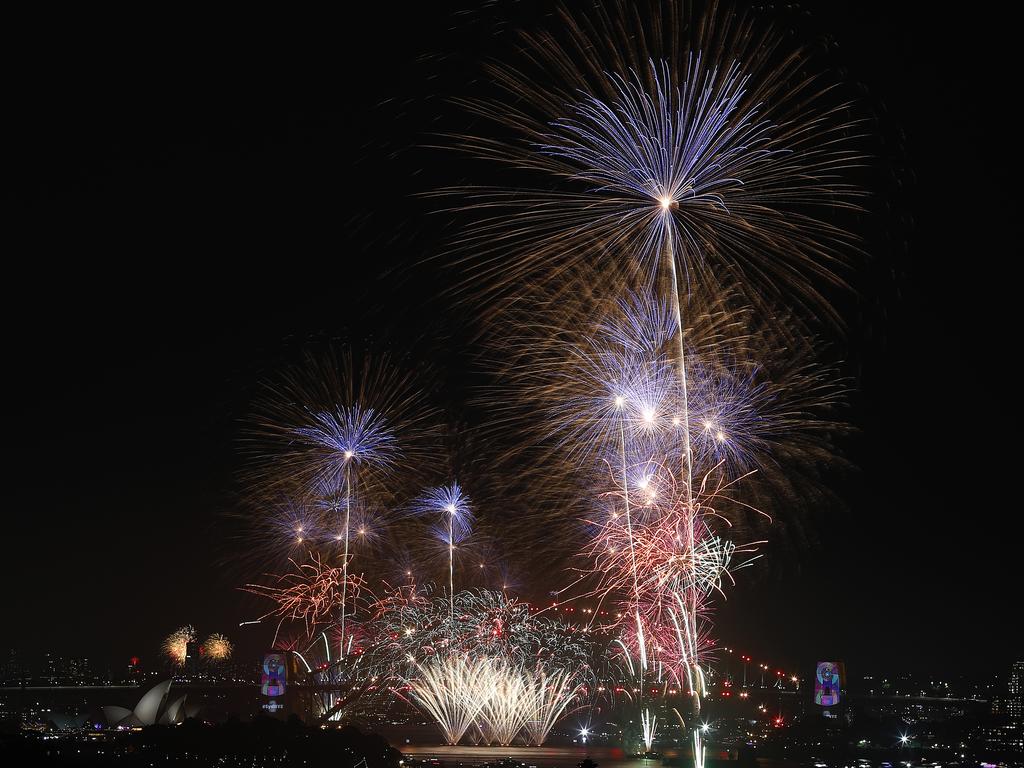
[{"x": 500, "y": 699}]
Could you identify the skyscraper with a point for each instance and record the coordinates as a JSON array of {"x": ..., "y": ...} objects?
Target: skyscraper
[{"x": 1015, "y": 693}]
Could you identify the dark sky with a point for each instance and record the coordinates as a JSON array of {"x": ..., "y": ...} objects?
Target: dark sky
[{"x": 197, "y": 196}]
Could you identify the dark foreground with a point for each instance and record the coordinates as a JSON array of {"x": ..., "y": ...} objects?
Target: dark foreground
[
  {"x": 256, "y": 744},
  {"x": 267, "y": 742}
]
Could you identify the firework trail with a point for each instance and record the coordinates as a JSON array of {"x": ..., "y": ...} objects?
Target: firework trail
[
  {"x": 445, "y": 689},
  {"x": 312, "y": 592},
  {"x": 548, "y": 698},
  {"x": 505, "y": 710},
  {"x": 451, "y": 504}
]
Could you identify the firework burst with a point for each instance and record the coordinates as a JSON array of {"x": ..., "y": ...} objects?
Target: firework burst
[
  {"x": 175, "y": 645},
  {"x": 635, "y": 127},
  {"x": 329, "y": 437},
  {"x": 217, "y": 647}
]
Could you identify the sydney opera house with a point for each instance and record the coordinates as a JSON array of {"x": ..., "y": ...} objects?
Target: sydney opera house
[{"x": 156, "y": 707}]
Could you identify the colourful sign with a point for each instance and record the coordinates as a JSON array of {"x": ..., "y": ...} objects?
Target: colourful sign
[
  {"x": 274, "y": 674},
  {"x": 827, "y": 683}
]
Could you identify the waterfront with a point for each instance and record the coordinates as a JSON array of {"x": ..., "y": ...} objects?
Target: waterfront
[{"x": 541, "y": 757}]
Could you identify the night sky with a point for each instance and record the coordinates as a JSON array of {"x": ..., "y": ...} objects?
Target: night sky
[{"x": 197, "y": 197}]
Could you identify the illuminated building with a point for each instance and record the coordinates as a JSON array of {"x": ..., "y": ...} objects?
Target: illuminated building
[
  {"x": 153, "y": 708},
  {"x": 1015, "y": 694}
]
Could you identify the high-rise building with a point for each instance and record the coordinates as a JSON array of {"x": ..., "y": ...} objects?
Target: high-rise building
[
  {"x": 134, "y": 670},
  {"x": 65, "y": 670},
  {"x": 192, "y": 658},
  {"x": 12, "y": 669},
  {"x": 1015, "y": 694}
]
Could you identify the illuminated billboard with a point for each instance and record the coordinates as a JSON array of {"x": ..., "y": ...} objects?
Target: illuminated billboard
[
  {"x": 828, "y": 679},
  {"x": 273, "y": 681}
]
